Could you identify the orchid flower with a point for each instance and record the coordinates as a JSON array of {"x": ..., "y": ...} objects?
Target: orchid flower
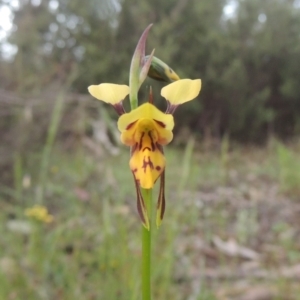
[{"x": 146, "y": 129}]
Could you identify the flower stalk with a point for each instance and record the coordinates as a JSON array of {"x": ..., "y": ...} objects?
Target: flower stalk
[{"x": 146, "y": 248}]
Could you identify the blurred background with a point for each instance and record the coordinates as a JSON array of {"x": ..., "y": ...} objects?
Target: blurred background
[{"x": 231, "y": 228}]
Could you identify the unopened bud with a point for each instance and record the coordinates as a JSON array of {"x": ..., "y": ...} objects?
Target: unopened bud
[{"x": 161, "y": 71}]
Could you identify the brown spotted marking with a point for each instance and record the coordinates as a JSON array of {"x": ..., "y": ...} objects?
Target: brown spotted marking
[
  {"x": 130, "y": 125},
  {"x": 141, "y": 141},
  {"x": 161, "y": 124},
  {"x": 152, "y": 142},
  {"x": 147, "y": 163}
]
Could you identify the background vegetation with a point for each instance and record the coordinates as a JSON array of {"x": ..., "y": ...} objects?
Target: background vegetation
[{"x": 232, "y": 222}]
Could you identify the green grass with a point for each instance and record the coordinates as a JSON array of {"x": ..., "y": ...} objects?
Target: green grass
[{"x": 93, "y": 248}]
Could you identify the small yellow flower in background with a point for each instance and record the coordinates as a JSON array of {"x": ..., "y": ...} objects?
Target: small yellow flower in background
[{"x": 39, "y": 213}]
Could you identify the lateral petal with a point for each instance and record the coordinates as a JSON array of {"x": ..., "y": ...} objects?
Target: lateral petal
[
  {"x": 109, "y": 92},
  {"x": 181, "y": 91}
]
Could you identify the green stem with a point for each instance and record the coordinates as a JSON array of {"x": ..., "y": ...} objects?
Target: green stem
[
  {"x": 133, "y": 97},
  {"x": 146, "y": 249}
]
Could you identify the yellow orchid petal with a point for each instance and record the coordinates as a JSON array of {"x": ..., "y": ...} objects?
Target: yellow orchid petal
[
  {"x": 164, "y": 136},
  {"x": 128, "y": 136},
  {"x": 147, "y": 163},
  {"x": 109, "y": 92},
  {"x": 146, "y": 111},
  {"x": 132, "y": 135},
  {"x": 181, "y": 91},
  {"x": 146, "y": 129}
]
